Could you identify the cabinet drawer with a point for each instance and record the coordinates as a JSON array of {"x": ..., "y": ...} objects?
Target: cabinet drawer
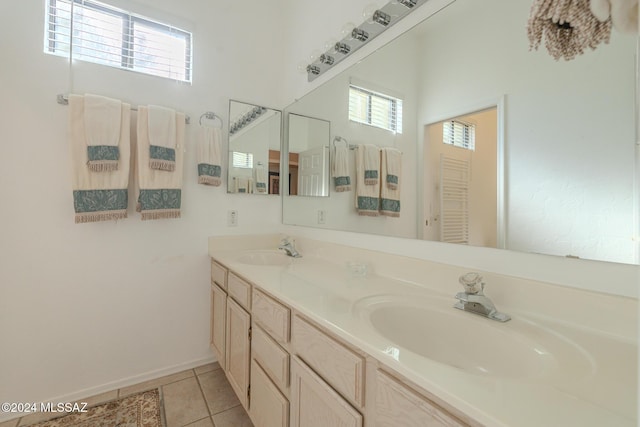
[
  {"x": 315, "y": 404},
  {"x": 218, "y": 275},
  {"x": 274, "y": 317},
  {"x": 239, "y": 290},
  {"x": 340, "y": 367},
  {"x": 398, "y": 405},
  {"x": 268, "y": 407},
  {"x": 271, "y": 357}
]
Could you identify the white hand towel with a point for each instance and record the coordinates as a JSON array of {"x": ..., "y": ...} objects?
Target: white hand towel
[
  {"x": 97, "y": 196},
  {"x": 391, "y": 166},
  {"x": 371, "y": 165},
  {"x": 162, "y": 138},
  {"x": 340, "y": 170},
  {"x": 160, "y": 191},
  {"x": 102, "y": 129},
  {"x": 367, "y": 196},
  {"x": 209, "y": 156},
  {"x": 242, "y": 184},
  {"x": 261, "y": 180}
]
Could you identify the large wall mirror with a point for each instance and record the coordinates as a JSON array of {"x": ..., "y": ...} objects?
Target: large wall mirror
[
  {"x": 501, "y": 146},
  {"x": 254, "y": 149}
]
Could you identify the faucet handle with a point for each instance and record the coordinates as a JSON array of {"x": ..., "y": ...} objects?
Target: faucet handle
[{"x": 472, "y": 283}]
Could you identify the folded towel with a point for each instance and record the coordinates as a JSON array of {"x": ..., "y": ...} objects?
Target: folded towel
[
  {"x": 340, "y": 170},
  {"x": 242, "y": 184},
  {"x": 391, "y": 172},
  {"x": 209, "y": 157},
  {"x": 371, "y": 164},
  {"x": 162, "y": 138},
  {"x": 97, "y": 196},
  {"x": 102, "y": 128},
  {"x": 261, "y": 180},
  {"x": 391, "y": 166},
  {"x": 367, "y": 196},
  {"x": 160, "y": 191}
]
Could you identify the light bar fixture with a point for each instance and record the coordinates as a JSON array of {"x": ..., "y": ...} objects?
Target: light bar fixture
[{"x": 358, "y": 36}]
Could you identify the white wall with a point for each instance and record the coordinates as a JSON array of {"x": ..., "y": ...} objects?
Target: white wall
[
  {"x": 90, "y": 307},
  {"x": 569, "y": 126}
]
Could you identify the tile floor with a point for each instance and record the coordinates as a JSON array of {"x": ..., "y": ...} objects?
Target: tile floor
[{"x": 199, "y": 397}]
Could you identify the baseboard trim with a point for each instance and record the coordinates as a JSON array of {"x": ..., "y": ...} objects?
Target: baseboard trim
[{"x": 113, "y": 385}]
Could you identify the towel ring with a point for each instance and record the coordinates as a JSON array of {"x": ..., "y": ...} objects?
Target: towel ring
[
  {"x": 340, "y": 139},
  {"x": 211, "y": 116}
]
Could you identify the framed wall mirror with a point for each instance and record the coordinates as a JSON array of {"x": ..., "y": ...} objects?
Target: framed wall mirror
[
  {"x": 552, "y": 168},
  {"x": 254, "y": 149}
]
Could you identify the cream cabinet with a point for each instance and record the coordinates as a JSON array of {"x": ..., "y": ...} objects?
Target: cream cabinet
[
  {"x": 219, "y": 323},
  {"x": 397, "y": 405},
  {"x": 316, "y": 404},
  {"x": 269, "y": 407},
  {"x": 287, "y": 371}
]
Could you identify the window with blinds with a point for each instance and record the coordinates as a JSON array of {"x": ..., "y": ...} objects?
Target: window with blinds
[
  {"x": 375, "y": 109},
  {"x": 460, "y": 134},
  {"x": 242, "y": 160},
  {"x": 105, "y": 35}
]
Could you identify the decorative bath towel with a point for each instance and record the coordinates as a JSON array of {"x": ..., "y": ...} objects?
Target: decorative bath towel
[
  {"x": 367, "y": 196},
  {"x": 162, "y": 138},
  {"x": 242, "y": 184},
  {"x": 261, "y": 180},
  {"x": 340, "y": 170},
  {"x": 371, "y": 164},
  {"x": 102, "y": 129},
  {"x": 160, "y": 191},
  {"x": 209, "y": 157},
  {"x": 97, "y": 196},
  {"x": 391, "y": 166}
]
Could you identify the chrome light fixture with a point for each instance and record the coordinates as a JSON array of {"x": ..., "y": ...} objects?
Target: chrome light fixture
[
  {"x": 377, "y": 21},
  {"x": 327, "y": 59},
  {"x": 407, "y": 3},
  {"x": 342, "y": 48},
  {"x": 381, "y": 18},
  {"x": 359, "y": 34}
]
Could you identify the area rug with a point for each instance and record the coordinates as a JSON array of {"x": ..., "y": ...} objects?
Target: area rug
[{"x": 138, "y": 410}]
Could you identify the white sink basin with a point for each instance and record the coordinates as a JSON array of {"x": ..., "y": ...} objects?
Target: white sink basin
[
  {"x": 431, "y": 328},
  {"x": 266, "y": 257}
]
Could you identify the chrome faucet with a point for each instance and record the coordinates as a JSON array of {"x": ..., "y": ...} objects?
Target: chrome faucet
[
  {"x": 289, "y": 248},
  {"x": 474, "y": 300}
]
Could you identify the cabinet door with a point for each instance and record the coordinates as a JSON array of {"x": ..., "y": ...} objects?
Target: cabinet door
[
  {"x": 218, "y": 323},
  {"x": 315, "y": 404},
  {"x": 238, "y": 350},
  {"x": 269, "y": 408},
  {"x": 398, "y": 406}
]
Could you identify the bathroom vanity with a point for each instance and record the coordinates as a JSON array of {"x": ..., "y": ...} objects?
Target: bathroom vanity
[{"x": 350, "y": 337}]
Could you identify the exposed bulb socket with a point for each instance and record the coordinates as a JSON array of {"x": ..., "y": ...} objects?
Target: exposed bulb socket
[
  {"x": 359, "y": 34},
  {"x": 342, "y": 48},
  {"x": 327, "y": 59},
  {"x": 408, "y": 3},
  {"x": 381, "y": 18},
  {"x": 313, "y": 69}
]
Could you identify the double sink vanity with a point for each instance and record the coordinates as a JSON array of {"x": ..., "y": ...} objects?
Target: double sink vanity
[{"x": 349, "y": 337}]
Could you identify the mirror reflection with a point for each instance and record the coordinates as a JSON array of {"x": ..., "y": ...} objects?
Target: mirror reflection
[
  {"x": 308, "y": 156},
  {"x": 254, "y": 149},
  {"x": 557, "y": 177}
]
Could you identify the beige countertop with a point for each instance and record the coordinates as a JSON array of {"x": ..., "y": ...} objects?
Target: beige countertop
[{"x": 596, "y": 387}]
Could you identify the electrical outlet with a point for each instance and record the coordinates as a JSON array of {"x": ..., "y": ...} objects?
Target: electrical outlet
[
  {"x": 232, "y": 218},
  {"x": 322, "y": 216}
]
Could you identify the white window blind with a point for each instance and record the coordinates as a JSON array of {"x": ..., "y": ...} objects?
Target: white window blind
[
  {"x": 242, "y": 160},
  {"x": 375, "y": 109},
  {"x": 460, "y": 134},
  {"x": 106, "y": 35}
]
